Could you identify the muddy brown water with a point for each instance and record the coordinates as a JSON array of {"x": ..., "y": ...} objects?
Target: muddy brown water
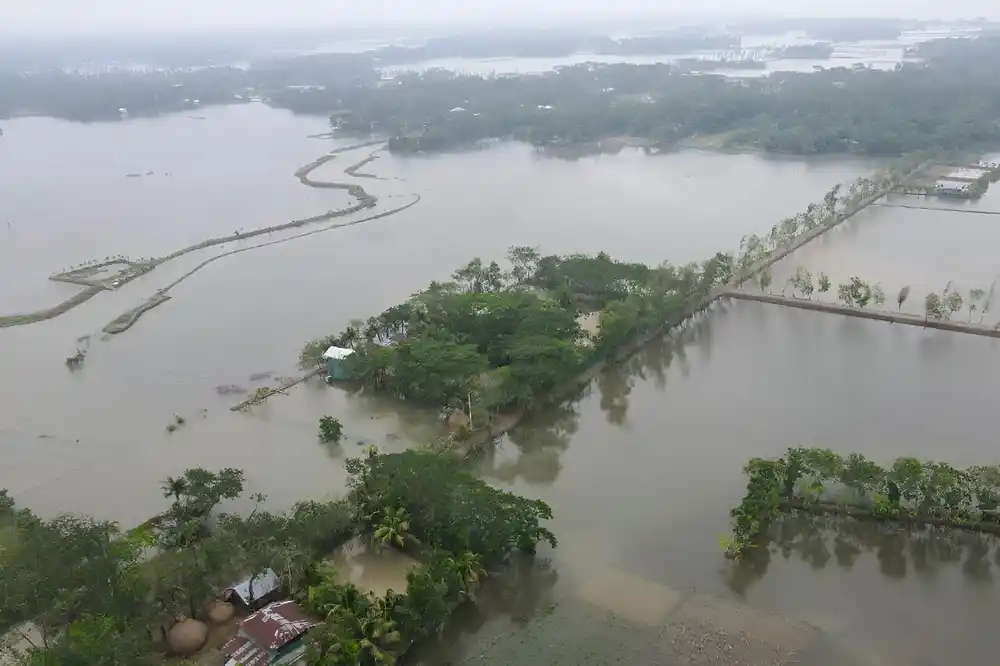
[{"x": 641, "y": 471}]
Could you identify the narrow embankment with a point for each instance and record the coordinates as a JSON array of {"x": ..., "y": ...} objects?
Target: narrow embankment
[
  {"x": 947, "y": 210},
  {"x": 50, "y": 313},
  {"x": 126, "y": 320},
  {"x": 879, "y": 315},
  {"x": 694, "y": 306},
  {"x": 364, "y": 200}
]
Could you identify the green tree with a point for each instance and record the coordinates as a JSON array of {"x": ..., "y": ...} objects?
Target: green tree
[
  {"x": 903, "y": 294},
  {"x": 174, "y": 487},
  {"x": 393, "y": 528},
  {"x": 330, "y": 430},
  {"x": 764, "y": 279},
  {"x": 855, "y": 293},
  {"x": 878, "y": 295},
  {"x": 975, "y": 295},
  {"x": 470, "y": 572},
  {"x": 952, "y": 303},
  {"x": 824, "y": 283},
  {"x": 934, "y": 307}
]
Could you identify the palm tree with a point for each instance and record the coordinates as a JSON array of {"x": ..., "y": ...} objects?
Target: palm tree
[
  {"x": 172, "y": 487},
  {"x": 378, "y": 635},
  {"x": 394, "y": 529},
  {"x": 470, "y": 571}
]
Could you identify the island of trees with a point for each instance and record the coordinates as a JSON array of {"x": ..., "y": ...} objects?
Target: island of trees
[
  {"x": 495, "y": 341},
  {"x": 76, "y": 591},
  {"x": 499, "y": 339},
  {"x": 912, "y": 491}
]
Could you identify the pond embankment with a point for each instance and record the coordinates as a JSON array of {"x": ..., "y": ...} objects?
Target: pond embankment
[
  {"x": 879, "y": 315},
  {"x": 364, "y": 200}
]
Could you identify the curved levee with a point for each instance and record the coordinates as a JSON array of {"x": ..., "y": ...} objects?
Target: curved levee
[{"x": 126, "y": 320}]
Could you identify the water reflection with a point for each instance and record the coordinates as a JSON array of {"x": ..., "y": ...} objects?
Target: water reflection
[
  {"x": 532, "y": 450},
  {"x": 521, "y": 591},
  {"x": 822, "y": 541}
]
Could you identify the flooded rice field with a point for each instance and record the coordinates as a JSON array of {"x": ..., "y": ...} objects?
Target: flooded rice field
[
  {"x": 641, "y": 473},
  {"x": 641, "y": 470},
  {"x": 926, "y": 249}
]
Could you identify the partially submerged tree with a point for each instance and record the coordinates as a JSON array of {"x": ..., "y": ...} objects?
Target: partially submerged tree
[{"x": 330, "y": 430}]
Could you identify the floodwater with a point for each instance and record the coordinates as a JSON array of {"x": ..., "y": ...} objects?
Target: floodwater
[
  {"x": 71, "y": 438},
  {"x": 641, "y": 471},
  {"x": 877, "y": 54},
  {"x": 925, "y": 249}
]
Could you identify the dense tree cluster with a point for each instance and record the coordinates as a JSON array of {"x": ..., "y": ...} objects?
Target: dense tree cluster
[
  {"x": 950, "y": 100},
  {"x": 461, "y": 529},
  {"x": 80, "y": 592},
  {"x": 504, "y": 338},
  {"x": 838, "y": 110}
]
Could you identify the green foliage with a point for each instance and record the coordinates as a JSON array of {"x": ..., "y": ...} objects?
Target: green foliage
[
  {"x": 331, "y": 431},
  {"x": 196, "y": 494},
  {"x": 904, "y": 293},
  {"x": 952, "y": 303},
  {"x": 934, "y": 307},
  {"x": 95, "y": 640},
  {"x": 823, "y": 283},
  {"x": 909, "y": 490},
  {"x": 392, "y": 528},
  {"x": 803, "y": 281},
  {"x": 764, "y": 279},
  {"x": 760, "y": 505},
  {"x": 448, "y": 508},
  {"x": 67, "y": 568},
  {"x": 855, "y": 293}
]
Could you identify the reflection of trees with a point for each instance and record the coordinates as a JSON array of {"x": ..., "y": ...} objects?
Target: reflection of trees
[
  {"x": 521, "y": 591},
  {"x": 818, "y": 540},
  {"x": 539, "y": 440},
  {"x": 651, "y": 363}
]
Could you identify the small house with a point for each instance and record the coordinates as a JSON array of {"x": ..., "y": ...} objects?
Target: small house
[
  {"x": 270, "y": 637},
  {"x": 952, "y": 188},
  {"x": 336, "y": 363},
  {"x": 252, "y": 594}
]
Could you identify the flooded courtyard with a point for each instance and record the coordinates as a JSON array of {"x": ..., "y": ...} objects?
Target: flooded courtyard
[{"x": 641, "y": 469}]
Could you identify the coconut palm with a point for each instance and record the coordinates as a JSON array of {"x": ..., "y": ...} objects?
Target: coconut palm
[
  {"x": 379, "y": 632},
  {"x": 469, "y": 568},
  {"x": 172, "y": 487},
  {"x": 393, "y": 529}
]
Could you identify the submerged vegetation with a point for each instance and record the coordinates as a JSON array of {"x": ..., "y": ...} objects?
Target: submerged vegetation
[
  {"x": 98, "y": 596},
  {"x": 498, "y": 339},
  {"x": 822, "y": 481}
]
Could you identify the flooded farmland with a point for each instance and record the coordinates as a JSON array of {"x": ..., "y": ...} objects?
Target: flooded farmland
[{"x": 641, "y": 470}]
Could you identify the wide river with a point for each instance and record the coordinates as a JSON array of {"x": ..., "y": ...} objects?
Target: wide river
[{"x": 641, "y": 470}]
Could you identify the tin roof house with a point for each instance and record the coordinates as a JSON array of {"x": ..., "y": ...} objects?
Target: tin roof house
[
  {"x": 252, "y": 595},
  {"x": 337, "y": 366},
  {"x": 270, "y": 637}
]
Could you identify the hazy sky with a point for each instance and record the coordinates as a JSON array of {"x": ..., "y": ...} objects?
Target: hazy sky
[{"x": 115, "y": 16}]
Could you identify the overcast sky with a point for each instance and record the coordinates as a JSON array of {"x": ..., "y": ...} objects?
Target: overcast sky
[{"x": 61, "y": 17}]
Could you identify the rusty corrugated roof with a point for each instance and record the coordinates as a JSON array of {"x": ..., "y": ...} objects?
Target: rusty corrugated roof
[
  {"x": 276, "y": 625},
  {"x": 242, "y": 651}
]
